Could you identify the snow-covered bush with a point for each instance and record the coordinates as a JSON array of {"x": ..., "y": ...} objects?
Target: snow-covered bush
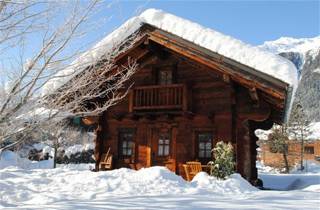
[{"x": 223, "y": 163}]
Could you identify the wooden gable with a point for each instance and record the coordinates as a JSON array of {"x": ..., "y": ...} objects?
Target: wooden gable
[{"x": 155, "y": 42}]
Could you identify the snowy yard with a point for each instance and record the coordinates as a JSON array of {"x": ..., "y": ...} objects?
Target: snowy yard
[{"x": 75, "y": 187}]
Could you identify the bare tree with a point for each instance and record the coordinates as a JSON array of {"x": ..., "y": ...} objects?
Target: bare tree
[
  {"x": 278, "y": 141},
  {"x": 51, "y": 61}
]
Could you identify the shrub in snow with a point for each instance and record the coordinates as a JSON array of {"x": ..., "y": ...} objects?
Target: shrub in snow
[{"x": 223, "y": 163}]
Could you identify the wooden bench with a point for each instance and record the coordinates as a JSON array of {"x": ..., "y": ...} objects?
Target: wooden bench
[{"x": 191, "y": 169}]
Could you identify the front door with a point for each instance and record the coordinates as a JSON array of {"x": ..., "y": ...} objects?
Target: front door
[{"x": 163, "y": 147}]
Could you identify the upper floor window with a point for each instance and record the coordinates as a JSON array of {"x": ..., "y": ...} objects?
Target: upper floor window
[
  {"x": 165, "y": 77},
  {"x": 126, "y": 138},
  {"x": 204, "y": 145}
]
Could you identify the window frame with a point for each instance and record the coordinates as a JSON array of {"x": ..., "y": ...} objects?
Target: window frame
[
  {"x": 164, "y": 144},
  {"x": 121, "y": 133},
  {"x": 308, "y": 150},
  {"x": 204, "y": 149},
  {"x": 166, "y": 80}
]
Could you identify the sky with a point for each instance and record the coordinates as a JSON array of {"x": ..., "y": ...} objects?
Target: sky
[{"x": 250, "y": 21}]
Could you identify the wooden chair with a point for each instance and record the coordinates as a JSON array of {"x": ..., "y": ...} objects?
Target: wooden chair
[
  {"x": 106, "y": 161},
  {"x": 191, "y": 169}
]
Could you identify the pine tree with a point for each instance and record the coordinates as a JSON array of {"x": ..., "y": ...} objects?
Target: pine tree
[{"x": 299, "y": 126}]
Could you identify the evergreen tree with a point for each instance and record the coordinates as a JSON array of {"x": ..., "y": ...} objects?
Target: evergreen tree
[
  {"x": 299, "y": 127},
  {"x": 223, "y": 163}
]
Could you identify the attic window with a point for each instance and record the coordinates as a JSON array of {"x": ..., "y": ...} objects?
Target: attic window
[{"x": 165, "y": 77}]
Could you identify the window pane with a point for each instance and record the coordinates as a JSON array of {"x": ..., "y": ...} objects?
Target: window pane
[
  {"x": 124, "y": 144},
  {"x": 165, "y": 77},
  {"x": 166, "y": 150},
  {"x": 201, "y": 153},
  {"x": 130, "y": 144},
  {"x": 208, "y": 154},
  {"x": 160, "y": 150},
  {"x": 129, "y": 151},
  {"x": 167, "y": 141},
  {"x": 204, "y": 145},
  {"x": 124, "y": 151},
  {"x": 160, "y": 141}
]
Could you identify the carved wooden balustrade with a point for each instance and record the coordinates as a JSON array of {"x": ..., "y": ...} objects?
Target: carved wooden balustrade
[{"x": 158, "y": 97}]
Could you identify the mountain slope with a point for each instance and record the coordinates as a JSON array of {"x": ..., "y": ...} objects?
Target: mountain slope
[{"x": 305, "y": 54}]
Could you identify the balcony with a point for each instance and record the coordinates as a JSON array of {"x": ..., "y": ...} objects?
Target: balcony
[{"x": 158, "y": 97}]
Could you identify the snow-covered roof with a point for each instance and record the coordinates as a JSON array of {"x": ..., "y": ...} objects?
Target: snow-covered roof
[
  {"x": 315, "y": 130},
  {"x": 254, "y": 57}
]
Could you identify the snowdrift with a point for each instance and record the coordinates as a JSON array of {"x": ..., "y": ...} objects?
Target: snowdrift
[
  {"x": 76, "y": 187},
  {"x": 11, "y": 159},
  {"x": 53, "y": 185}
]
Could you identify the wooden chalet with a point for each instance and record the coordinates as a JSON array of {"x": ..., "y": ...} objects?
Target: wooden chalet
[{"x": 184, "y": 99}]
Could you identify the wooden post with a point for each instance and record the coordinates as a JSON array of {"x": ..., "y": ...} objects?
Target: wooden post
[
  {"x": 185, "y": 99},
  {"x": 130, "y": 101},
  {"x": 98, "y": 145}
]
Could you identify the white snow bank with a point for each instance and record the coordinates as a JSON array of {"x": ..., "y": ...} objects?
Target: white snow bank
[
  {"x": 266, "y": 169},
  {"x": 289, "y": 181},
  {"x": 310, "y": 167},
  {"x": 59, "y": 183},
  {"x": 78, "y": 148},
  {"x": 234, "y": 184},
  {"x": 11, "y": 159},
  {"x": 308, "y": 180},
  {"x": 73, "y": 187},
  {"x": 254, "y": 57},
  {"x": 313, "y": 188}
]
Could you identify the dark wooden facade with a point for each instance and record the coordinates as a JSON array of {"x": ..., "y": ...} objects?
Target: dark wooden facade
[{"x": 183, "y": 100}]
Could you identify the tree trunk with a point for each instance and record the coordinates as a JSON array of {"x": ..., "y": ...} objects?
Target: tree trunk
[
  {"x": 285, "y": 159},
  {"x": 55, "y": 157},
  {"x": 301, "y": 154}
]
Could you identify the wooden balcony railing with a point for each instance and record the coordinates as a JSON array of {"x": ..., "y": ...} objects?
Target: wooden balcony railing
[{"x": 158, "y": 97}]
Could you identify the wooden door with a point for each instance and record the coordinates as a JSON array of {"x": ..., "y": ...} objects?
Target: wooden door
[{"x": 163, "y": 151}]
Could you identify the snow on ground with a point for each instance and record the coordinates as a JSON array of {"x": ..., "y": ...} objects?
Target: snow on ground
[
  {"x": 297, "y": 180},
  {"x": 76, "y": 187},
  {"x": 261, "y": 60},
  {"x": 11, "y": 159}
]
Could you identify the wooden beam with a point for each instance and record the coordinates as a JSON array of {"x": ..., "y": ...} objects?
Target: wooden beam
[
  {"x": 254, "y": 96},
  {"x": 226, "y": 78}
]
